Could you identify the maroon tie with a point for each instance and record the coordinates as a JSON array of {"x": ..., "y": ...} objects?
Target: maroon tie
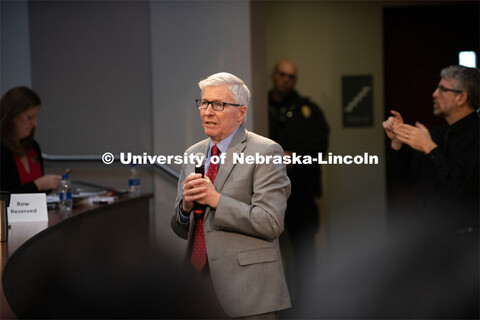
[{"x": 199, "y": 251}]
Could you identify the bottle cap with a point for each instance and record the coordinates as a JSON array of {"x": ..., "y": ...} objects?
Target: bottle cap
[{"x": 65, "y": 176}]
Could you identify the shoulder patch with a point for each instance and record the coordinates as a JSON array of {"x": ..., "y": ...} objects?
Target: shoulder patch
[{"x": 306, "y": 111}]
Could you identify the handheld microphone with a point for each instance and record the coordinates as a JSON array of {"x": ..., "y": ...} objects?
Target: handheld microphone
[{"x": 198, "y": 208}]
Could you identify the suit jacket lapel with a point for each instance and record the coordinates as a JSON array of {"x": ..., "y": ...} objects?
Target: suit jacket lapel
[{"x": 237, "y": 145}]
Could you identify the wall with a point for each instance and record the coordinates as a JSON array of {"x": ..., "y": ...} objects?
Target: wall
[
  {"x": 91, "y": 67},
  {"x": 328, "y": 40},
  {"x": 15, "y": 47},
  {"x": 190, "y": 41}
]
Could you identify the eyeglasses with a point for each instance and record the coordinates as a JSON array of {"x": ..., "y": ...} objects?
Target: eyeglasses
[
  {"x": 289, "y": 76},
  {"x": 216, "y": 104},
  {"x": 442, "y": 89}
]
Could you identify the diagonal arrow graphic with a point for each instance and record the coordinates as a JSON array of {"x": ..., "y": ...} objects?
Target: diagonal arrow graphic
[{"x": 357, "y": 99}]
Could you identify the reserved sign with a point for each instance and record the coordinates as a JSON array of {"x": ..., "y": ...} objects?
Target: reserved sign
[{"x": 25, "y": 207}]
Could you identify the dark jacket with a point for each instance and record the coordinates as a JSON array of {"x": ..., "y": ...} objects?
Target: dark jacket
[
  {"x": 299, "y": 125},
  {"x": 448, "y": 177},
  {"x": 10, "y": 179}
]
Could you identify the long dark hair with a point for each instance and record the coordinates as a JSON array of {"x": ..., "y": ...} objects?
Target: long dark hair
[{"x": 14, "y": 102}]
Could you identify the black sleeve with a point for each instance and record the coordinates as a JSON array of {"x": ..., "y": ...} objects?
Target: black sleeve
[
  {"x": 10, "y": 179},
  {"x": 404, "y": 166}
]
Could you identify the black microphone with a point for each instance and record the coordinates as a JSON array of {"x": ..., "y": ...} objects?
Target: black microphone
[{"x": 199, "y": 209}]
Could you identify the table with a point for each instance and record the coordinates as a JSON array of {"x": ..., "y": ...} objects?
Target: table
[{"x": 73, "y": 251}]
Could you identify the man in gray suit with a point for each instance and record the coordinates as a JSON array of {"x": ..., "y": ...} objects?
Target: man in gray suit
[{"x": 236, "y": 245}]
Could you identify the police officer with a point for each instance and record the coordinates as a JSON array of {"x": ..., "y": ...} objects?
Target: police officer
[{"x": 299, "y": 126}]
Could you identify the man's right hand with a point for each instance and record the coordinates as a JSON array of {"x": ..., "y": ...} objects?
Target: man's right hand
[
  {"x": 192, "y": 191},
  {"x": 389, "y": 125}
]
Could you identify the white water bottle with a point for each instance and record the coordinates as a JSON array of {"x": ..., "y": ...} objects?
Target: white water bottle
[
  {"x": 65, "y": 201},
  {"x": 134, "y": 180}
]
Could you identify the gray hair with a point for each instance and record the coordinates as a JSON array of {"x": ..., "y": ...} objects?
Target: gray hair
[
  {"x": 466, "y": 79},
  {"x": 240, "y": 91}
]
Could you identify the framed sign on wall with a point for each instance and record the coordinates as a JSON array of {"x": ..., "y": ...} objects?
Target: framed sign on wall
[{"x": 357, "y": 101}]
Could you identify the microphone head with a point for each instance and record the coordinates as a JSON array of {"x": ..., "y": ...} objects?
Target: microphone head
[{"x": 201, "y": 159}]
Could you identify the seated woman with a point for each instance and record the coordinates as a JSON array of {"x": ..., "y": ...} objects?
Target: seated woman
[{"x": 20, "y": 156}]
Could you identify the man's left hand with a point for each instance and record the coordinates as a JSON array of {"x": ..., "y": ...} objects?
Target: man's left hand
[
  {"x": 417, "y": 137},
  {"x": 212, "y": 196}
]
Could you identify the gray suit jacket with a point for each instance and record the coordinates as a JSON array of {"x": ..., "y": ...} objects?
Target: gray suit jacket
[{"x": 241, "y": 234}]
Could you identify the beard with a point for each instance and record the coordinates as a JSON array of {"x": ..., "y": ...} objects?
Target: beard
[{"x": 437, "y": 111}]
